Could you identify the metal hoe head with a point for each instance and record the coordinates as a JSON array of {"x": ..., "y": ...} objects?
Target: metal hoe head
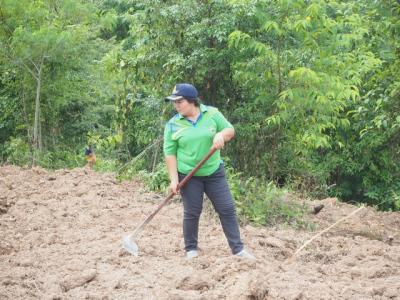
[{"x": 129, "y": 245}]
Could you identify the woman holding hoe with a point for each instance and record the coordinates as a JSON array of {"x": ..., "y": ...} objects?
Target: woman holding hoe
[{"x": 188, "y": 136}]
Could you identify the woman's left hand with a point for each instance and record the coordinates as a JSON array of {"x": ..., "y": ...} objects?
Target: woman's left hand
[{"x": 219, "y": 141}]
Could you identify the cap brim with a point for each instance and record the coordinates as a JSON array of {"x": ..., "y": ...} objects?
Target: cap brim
[{"x": 173, "y": 98}]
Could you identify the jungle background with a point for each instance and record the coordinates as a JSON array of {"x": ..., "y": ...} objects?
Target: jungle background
[{"x": 312, "y": 88}]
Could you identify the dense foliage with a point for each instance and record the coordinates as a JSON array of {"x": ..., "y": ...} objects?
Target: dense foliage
[{"x": 311, "y": 86}]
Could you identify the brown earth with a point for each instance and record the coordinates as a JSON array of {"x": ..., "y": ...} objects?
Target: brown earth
[{"x": 61, "y": 236}]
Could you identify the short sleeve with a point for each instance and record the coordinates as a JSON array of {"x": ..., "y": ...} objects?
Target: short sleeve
[
  {"x": 170, "y": 146},
  {"x": 221, "y": 121}
]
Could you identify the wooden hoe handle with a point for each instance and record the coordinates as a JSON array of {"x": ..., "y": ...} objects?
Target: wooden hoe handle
[{"x": 172, "y": 194}]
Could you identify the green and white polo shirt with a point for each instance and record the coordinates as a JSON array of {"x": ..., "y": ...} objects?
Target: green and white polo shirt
[{"x": 190, "y": 141}]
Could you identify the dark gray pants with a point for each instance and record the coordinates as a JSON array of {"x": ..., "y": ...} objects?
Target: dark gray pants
[{"x": 216, "y": 188}]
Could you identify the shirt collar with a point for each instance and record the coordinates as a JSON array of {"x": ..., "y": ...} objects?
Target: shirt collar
[{"x": 203, "y": 109}]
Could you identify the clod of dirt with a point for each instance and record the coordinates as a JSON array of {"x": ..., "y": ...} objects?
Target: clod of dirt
[
  {"x": 273, "y": 243},
  {"x": 318, "y": 208},
  {"x": 194, "y": 282},
  {"x": 5, "y": 205},
  {"x": 75, "y": 281},
  {"x": 5, "y": 248},
  {"x": 389, "y": 240}
]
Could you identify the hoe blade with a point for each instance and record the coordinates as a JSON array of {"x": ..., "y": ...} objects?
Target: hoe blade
[{"x": 130, "y": 245}]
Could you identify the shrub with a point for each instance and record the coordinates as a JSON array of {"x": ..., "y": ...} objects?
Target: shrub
[
  {"x": 17, "y": 152},
  {"x": 263, "y": 203},
  {"x": 158, "y": 180}
]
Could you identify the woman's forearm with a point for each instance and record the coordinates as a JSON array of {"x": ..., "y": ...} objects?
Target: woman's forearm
[
  {"x": 172, "y": 167},
  {"x": 228, "y": 134}
]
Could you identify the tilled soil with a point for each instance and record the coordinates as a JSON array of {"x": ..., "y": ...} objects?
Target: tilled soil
[{"x": 61, "y": 235}]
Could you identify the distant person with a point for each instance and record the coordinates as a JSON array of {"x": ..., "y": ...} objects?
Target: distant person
[
  {"x": 188, "y": 136},
  {"x": 90, "y": 157}
]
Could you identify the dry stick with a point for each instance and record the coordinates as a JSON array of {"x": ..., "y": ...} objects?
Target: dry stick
[
  {"x": 161, "y": 130},
  {"x": 141, "y": 153},
  {"x": 323, "y": 231}
]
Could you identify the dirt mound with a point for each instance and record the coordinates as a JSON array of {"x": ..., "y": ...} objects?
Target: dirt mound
[{"x": 62, "y": 232}]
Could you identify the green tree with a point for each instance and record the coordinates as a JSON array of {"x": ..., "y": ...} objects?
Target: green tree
[{"x": 49, "y": 45}]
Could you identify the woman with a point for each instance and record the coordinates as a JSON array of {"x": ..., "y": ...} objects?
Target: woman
[{"x": 188, "y": 137}]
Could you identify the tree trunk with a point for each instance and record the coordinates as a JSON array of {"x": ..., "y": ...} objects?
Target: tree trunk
[
  {"x": 36, "y": 130},
  {"x": 37, "y": 115},
  {"x": 37, "y": 136},
  {"x": 25, "y": 116}
]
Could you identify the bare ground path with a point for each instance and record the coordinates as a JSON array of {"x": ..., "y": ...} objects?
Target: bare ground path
[{"x": 61, "y": 239}]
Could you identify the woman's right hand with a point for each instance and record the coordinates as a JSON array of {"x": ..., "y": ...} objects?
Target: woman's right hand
[{"x": 173, "y": 186}]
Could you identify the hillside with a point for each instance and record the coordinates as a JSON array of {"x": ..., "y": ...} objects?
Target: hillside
[{"x": 61, "y": 239}]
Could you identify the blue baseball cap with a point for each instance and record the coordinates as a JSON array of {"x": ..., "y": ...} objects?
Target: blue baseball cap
[{"x": 183, "y": 90}]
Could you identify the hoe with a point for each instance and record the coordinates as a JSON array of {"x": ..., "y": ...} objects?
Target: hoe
[{"x": 128, "y": 241}]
